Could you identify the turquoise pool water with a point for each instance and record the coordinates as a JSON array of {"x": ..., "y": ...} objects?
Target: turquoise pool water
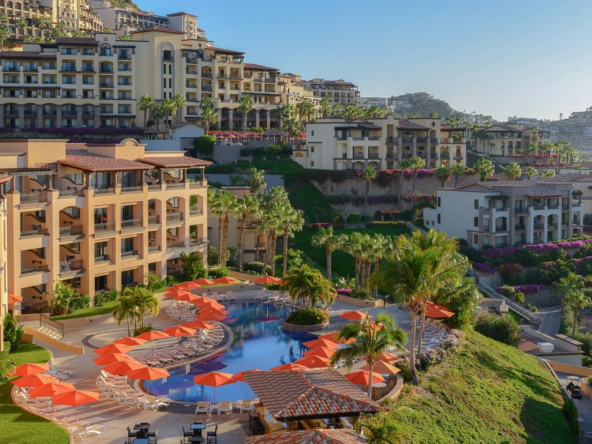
[{"x": 260, "y": 343}]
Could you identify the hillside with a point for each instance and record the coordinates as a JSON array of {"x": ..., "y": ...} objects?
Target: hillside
[
  {"x": 123, "y": 4},
  {"x": 487, "y": 393}
]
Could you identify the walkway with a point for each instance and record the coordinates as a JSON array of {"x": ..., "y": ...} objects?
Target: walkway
[{"x": 550, "y": 320}]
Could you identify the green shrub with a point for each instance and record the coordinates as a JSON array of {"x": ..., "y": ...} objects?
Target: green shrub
[
  {"x": 361, "y": 293},
  {"x": 294, "y": 260},
  {"x": 138, "y": 331},
  {"x": 13, "y": 332},
  {"x": 511, "y": 274},
  {"x": 500, "y": 328},
  {"x": 571, "y": 414},
  {"x": 273, "y": 287},
  {"x": 534, "y": 309},
  {"x": 387, "y": 223},
  {"x": 308, "y": 316},
  {"x": 78, "y": 303},
  {"x": 403, "y": 365},
  {"x": 204, "y": 144},
  {"x": 257, "y": 267},
  {"x": 586, "y": 340},
  {"x": 219, "y": 272},
  {"x": 519, "y": 297},
  {"x": 354, "y": 218}
]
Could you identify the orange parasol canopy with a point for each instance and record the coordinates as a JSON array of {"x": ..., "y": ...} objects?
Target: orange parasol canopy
[
  {"x": 238, "y": 377},
  {"x": 378, "y": 327},
  {"x": 34, "y": 380},
  {"x": 198, "y": 325},
  {"x": 354, "y": 315},
  {"x": 112, "y": 358},
  {"x": 334, "y": 337},
  {"x": 148, "y": 373},
  {"x": 226, "y": 281},
  {"x": 214, "y": 379},
  {"x": 437, "y": 311},
  {"x": 213, "y": 310},
  {"x": 212, "y": 316},
  {"x": 152, "y": 335},
  {"x": 13, "y": 299},
  {"x": 50, "y": 390},
  {"x": 209, "y": 303},
  {"x": 187, "y": 297},
  {"x": 362, "y": 377},
  {"x": 128, "y": 340},
  {"x": 30, "y": 369},
  {"x": 76, "y": 398},
  {"x": 179, "y": 331},
  {"x": 113, "y": 348},
  {"x": 316, "y": 343},
  {"x": 204, "y": 281},
  {"x": 187, "y": 285},
  {"x": 388, "y": 357},
  {"x": 267, "y": 280},
  {"x": 321, "y": 351},
  {"x": 123, "y": 367},
  {"x": 313, "y": 362},
  {"x": 286, "y": 367},
  {"x": 382, "y": 368}
]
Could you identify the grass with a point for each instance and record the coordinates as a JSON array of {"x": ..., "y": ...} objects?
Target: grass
[
  {"x": 87, "y": 312},
  {"x": 276, "y": 167},
  {"x": 341, "y": 262},
  {"x": 18, "y": 426},
  {"x": 489, "y": 393},
  {"x": 308, "y": 198}
]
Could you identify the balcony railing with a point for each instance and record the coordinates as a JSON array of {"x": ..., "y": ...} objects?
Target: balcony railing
[
  {"x": 34, "y": 197},
  {"x": 103, "y": 258},
  {"x": 36, "y": 232},
  {"x": 198, "y": 241},
  {"x": 129, "y": 253},
  {"x": 195, "y": 211},
  {"x": 501, "y": 228},
  {"x": 153, "y": 220},
  {"x": 196, "y": 184},
  {"x": 171, "y": 185},
  {"x": 131, "y": 223},
  {"x": 154, "y": 186},
  {"x": 75, "y": 230},
  {"x": 176, "y": 217},
  {"x": 520, "y": 210},
  {"x": 358, "y": 155},
  {"x": 36, "y": 269},
  {"x": 104, "y": 227},
  {"x": 108, "y": 190},
  {"x": 520, "y": 226},
  {"x": 539, "y": 226},
  {"x": 131, "y": 189},
  {"x": 175, "y": 245},
  {"x": 73, "y": 265},
  {"x": 373, "y": 155}
]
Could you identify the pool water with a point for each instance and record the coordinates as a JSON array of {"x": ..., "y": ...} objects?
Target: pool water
[{"x": 260, "y": 343}]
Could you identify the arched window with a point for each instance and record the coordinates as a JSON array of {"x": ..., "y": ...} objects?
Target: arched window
[{"x": 106, "y": 49}]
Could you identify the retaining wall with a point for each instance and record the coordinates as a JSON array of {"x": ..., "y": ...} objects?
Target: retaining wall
[
  {"x": 359, "y": 302},
  {"x": 304, "y": 328}
]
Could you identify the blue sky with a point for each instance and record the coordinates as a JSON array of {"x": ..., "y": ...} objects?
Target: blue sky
[{"x": 522, "y": 57}]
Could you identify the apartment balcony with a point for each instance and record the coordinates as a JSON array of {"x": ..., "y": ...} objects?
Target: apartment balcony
[
  {"x": 131, "y": 224},
  {"x": 520, "y": 227},
  {"x": 373, "y": 155},
  {"x": 136, "y": 189},
  {"x": 390, "y": 155},
  {"x": 102, "y": 258},
  {"x": 358, "y": 155},
  {"x": 155, "y": 187},
  {"x": 106, "y": 190},
  {"x": 105, "y": 228},
  {"x": 36, "y": 232},
  {"x": 444, "y": 155},
  {"x": 154, "y": 248},
  {"x": 576, "y": 204},
  {"x": 407, "y": 155},
  {"x": 69, "y": 232},
  {"x": 194, "y": 211},
  {"x": 129, "y": 253},
  {"x": 539, "y": 226},
  {"x": 501, "y": 228},
  {"x": 72, "y": 268},
  {"x": 32, "y": 198},
  {"x": 173, "y": 245},
  {"x": 175, "y": 185},
  {"x": 174, "y": 219},
  {"x": 106, "y": 70},
  {"x": 35, "y": 269},
  {"x": 207, "y": 75},
  {"x": 521, "y": 210},
  {"x": 194, "y": 242}
]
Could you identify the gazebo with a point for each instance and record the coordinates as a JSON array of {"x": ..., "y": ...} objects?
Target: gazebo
[
  {"x": 390, "y": 213},
  {"x": 308, "y": 399},
  {"x": 315, "y": 436}
]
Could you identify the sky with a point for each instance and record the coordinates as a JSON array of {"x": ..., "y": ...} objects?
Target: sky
[{"x": 530, "y": 58}]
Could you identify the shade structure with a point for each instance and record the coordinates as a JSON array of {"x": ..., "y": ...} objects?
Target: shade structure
[
  {"x": 354, "y": 315},
  {"x": 179, "y": 331},
  {"x": 174, "y": 292},
  {"x": 13, "y": 299},
  {"x": 214, "y": 379},
  {"x": 218, "y": 311},
  {"x": 204, "y": 281},
  {"x": 314, "y": 362},
  {"x": 362, "y": 377},
  {"x": 132, "y": 342},
  {"x": 210, "y": 317},
  {"x": 334, "y": 337},
  {"x": 316, "y": 343},
  {"x": 238, "y": 377},
  {"x": 76, "y": 398},
  {"x": 187, "y": 285},
  {"x": 388, "y": 357},
  {"x": 288, "y": 367},
  {"x": 148, "y": 373},
  {"x": 321, "y": 351},
  {"x": 123, "y": 367},
  {"x": 267, "y": 280},
  {"x": 226, "y": 281},
  {"x": 209, "y": 304},
  {"x": 112, "y": 358},
  {"x": 382, "y": 368},
  {"x": 34, "y": 380},
  {"x": 187, "y": 297},
  {"x": 198, "y": 325},
  {"x": 153, "y": 335},
  {"x": 113, "y": 348},
  {"x": 50, "y": 390},
  {"x": 30, "y": 369},
  {"x": 437, "y": 311}
]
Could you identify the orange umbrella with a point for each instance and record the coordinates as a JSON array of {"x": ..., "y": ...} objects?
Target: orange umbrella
[
  {"x": 208, "y": 303},
  {"x": 50, "y": 390},
  {"x": 316, "y": 343},
  {"x": 113, "y": 348},
  {"x": 148, "y": 373},
  {"x": 198, "y": 325},
  {"x": 437, "y": 311},
  {"x": 204, "y": 281},
  {"x": 76, "y": 398},
  {"x": 128, "y": 340},
  {"x": 334, "y": 337},
  {"x": 362, "y": 377},
  {"x": 226, "y": 281},
  {"x": 123, "y": 367},
  {"x": 13, "y": 299},
  {"x": 152, "y": 335},
  {"x": 238, "y": 377},
  {"x": 355, "y": 315},
  {"x": 378, "y": 328},
  {"x": 30, "y": 369},
  {"x": 313, "y": 362},
  {"x": 178, "y": 331},
  {"x": 187, "y": 297},
  {"x": 214, "y": 379},
  {"x": 212, "y": 310},
  {"x": 174, "y": 292},
  {"x": 210, "y": 317},
  {"x": 267, "y": 280},
  {"x": 321, "y": 351},
  {"x": 187, "y": 285},
  {"x": 112, "y": 358},
  {"x": 388, "y": 357},
  {"x": 382, "y": 368},
  {"x": 34, "y": 380},
  {"x": 286, "y": 367}
]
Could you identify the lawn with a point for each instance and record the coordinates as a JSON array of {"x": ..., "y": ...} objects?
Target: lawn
[
  {"x": 87, "y": 312},
  {"x": 276, "y": 167},
  {"x": 489, "y": 393},
  {"x": 308, "y": 198},
  {"x": 18, "y": 426},
  {"x": 341, "y": 262}
]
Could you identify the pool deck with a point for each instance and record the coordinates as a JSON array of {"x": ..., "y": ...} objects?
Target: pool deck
[{"x": 116, "y": 417}]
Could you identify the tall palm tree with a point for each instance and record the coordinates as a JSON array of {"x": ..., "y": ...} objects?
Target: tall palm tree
[
  {"x": 208, "y": 114},
  {"x": 256, "y": 180},
  {"x": 227, "y": 205},
  {"x": 405, "y": 164},
  {"x": 146, "y": 103},
  {"x": 337, "y": 110},
  {"x": 442, "y": 172},
  {"x": 513, "y": 171},
  {"x": 530, "y": 172},
  {"x": 416, "y": 164},
  {"x": 21, "y": 24},
  {"x": 351, "y": 113},
  {"x": 527, "y": 151},
  {"x": 245, "y": 207},
  {"x": 577, "y": 300},
  {"x": 309, "y": 286},
  {"x": 484, "y": 168},
  {"x": 375, "y": 112},
  {"x": 370, "y": 341},
  {"x": 158, "y": 112},
  {"x": 291, "y": 128},
  {"x": 245, "y": 107},
  {"x": 170, "y": 108},
  {"x": 326, "y": 238},
  {"x": 457, "y": 170},
  {"x": 125, "y": 310},
  {"x": 4, "y": 35},
  {"x": 144, "y": 301},
  {"x": 325, "y": 107},
  {"x": 180, "y": 101},
  {"x": 291, "y": 221},
  {"x": 3, "y": 18},
  {"x": 214, "y": 202},
  {"x": 368, "y": 174}
]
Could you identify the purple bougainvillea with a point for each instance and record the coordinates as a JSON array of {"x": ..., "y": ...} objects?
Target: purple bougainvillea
[{"x": 483, "y": 268}]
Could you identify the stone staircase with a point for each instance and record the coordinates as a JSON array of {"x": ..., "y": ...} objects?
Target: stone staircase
[{"x": 50, "y": 331}]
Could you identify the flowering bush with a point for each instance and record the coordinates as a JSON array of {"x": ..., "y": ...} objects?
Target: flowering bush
[
  {"x": 511, "y": 273},
  {"x": 525, "y": 289},
  {"x": 419, "y": 196},
  {"x": 344, "y": 291},
  {"x": 446, "y": 349},
  {"x": 536, "y": 248},
  {"x": 483, "y": 268}
]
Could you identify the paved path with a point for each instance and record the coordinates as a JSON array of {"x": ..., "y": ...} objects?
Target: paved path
[
  {"x": 550, "y": 320},
  {"x": 583, "y": 405}
]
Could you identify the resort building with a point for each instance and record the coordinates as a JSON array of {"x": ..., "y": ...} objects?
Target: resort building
[
  {"x": 129, "y": 19},
  {"x": 336, "y": 91},
  {"x": 381, "y": 102},
  {"x": 182, "y": 21},
  {"x": 336, "y": 144},
  {"x": 98, "y": 217},
  {"x": 508, "y": 139},
  {"x": 4, "y": 300},
  {"x": 293, "y": 87},
  {"x": 508, "y": 212},
  {"x": 15, "y": 9}
]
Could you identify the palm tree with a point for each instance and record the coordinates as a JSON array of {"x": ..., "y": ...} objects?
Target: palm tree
[
  {"x": 457, "y": 170},
  {"x": 416, "y": 164},
  {"x": 291, "y": 220},
  {"x": 326, "y": 238},
  {"x": 125, "y": 309},
  {"x": 21, "y": 24},
  {"x": 337, "y": 110},
  {"x": 4, "y": 35},
  {"x": 245, "y": 107},
  {"x": 351, "y": 113},
  {"x": 527, "y": 151},
  {"x": 216, "y": 209},
  {"x": 325, "y": 107},
  {"x": 405, "y": 164},
  {"x": 144, "y": 301},
  {"x": 443, "y": 172},
  {"x": 309, "y": 286},
  {"x": 577, "y": 300},
  {"x": 530, "y": 172},
  {"x": 192, "y": 266},
  {"x": 226, "y": 207},
  {"x": 281, "y": 113},
  {"x": 256, "y": 180},
  {"x": 180, "y": 101},
  {"x": 146, "y": 103},
  {"x": 170, "y": 108},
  {"x": 245, "y": 207},
  {"x": 484, "y": 168},
  {"x": 370, "y": 341},
  {"x": 158, "y": 112},
  {"x": 368, "y": 174},
  {"x": 548, "y": 173},
  {"x": 3, "y": 17},
  {"x": 291, "y": 127},
  {"x": 513, "y": 171},
  {"x": 304, "y": 109}
]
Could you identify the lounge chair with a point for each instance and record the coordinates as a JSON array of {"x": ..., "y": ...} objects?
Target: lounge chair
[
  {"x": 84, "y": 431},
  {"x": 248, "y": 406},
  {"x": 225, "y": 407},
  {"x": 202, "y": 407},
  {"x": 61, "y": 374},
  {"x": 260, "y": 295},
  {"x": 230, "y": 296}
]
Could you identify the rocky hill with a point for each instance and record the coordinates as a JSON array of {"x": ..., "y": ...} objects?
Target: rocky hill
[{"x": 421, "y": 103}]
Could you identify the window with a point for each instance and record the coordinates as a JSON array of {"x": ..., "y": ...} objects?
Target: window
[
  {"x": 170, "y": 83},
  {"x": 101, "y": 249},
  {"x": 439, "y": 218},
  {"x": 164, "y": 84},
  {"x": 475, "y": 239},
  {"x": 164, "y": 69},
  {"x": 476, "y": 204},
  {"x": 476, "y": 221},
  {"x": 312, "y": 133},
  {"x": 312, "y": 163},
  {"x": 312, "y": 149},
  {"x": 127, "y": 245},
  {"x": 439, "y": 201}
]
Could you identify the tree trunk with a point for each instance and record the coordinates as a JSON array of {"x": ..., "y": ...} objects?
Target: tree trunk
[
  {"x": 128, "y": 326},
  {"x": 241, "y": 240},
  {"x": 412, "y": 348},
  {"x": 272, "y": 252},
  {"x": 328, "y": 245},
  {"x": 420, "y": 338},
  {"x": 456, "y": 176},
  {"x": 413, "y": 191},
  {"x": 362, "y": 272},
  {"x": 366, "y": 198},
  {"x": 285, "y": 253},
  {"x": 375, "y": 271},
  {"x": 400, "y": 194},
  {"x": 145, "y": 121},
  {"x": 220, "y": 227},
  {"x": 370, "y": 368},
  {"x": 257, "y": 244},
  {"x": 225, "y": 238},
  {"x": 368, "y": 268},
  {"x": 357, "y": 271},
  {"x": 268, "y": 252},
  {"x": 575, "y": 322}
]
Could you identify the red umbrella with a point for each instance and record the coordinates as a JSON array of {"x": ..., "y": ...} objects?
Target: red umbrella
[
  {"x": 50, "y": 390},
  {"x": 198, "y": 325},
  {"x": 112, "y": 358},
  {"x": 174, "y": 292},
  {"x": 30, "y": 369},
  {"x": 354, "y": 315},
  {"x": 313, "y": 362},
  {"x": 76, "y": 398},
  {"x": 132, "y": 342},
  {"x": 204, "y": 281},
  {"x": 267, "y": 280},
  {"x": 178, "y": 331},
  {"x": 123, "y": 367},
  {"x": 388, "y": 357},
  {"x": 286, "y": 367},
  {"x": 378, "y": 327},
  {"x": 226, "y": 281},
  {"x": 152, "y": 335},
  {"x": 13, "y": 299},
  {"x": 148, "y": 373},
  {"x": 334, "y": 337},
  {"x": 238, "y": 377},
  {"x": 212, "y": 316},
  {"x": 187, "y": 297},
  {"x": 208, "y": 303},
  {"x": 362, "y": 377},
  {"x": 316, "y": 343},
  {"x": 212, "y": 310},
  {"x": 113, "y": 348},
  {"x": 437, "y": 311},
  {"x": 187, "y": 285},
  {"x": 321, "y": 351},
  {"x": 34, "y": 380},
  {"x": 214, "y": 379}
]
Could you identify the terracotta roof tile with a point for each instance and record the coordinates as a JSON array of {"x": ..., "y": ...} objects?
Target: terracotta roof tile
[
  {"x": 537, "y": 191},
  {"x": 225, "y": 51},
  {"x": 4, "y": 178},
  {"x": 407, "y": 124},
  {"x": 174, "y": 162},
  {"x": 315, "y": 436},
  {"x": 259, "y": 67},
  {"x": 505, "y": 127},
  {"x": 568, "y": 177},
  {"x": 76, "y": 41},
  {"x": 157, "y": 28},
  {"x": 25, "y": 55},
  {"x": 86, "y": 161}
]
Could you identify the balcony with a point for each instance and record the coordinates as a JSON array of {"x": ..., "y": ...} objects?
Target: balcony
[
  {"x": 107, "y": 190},
  {"x": 153, "y": 220},
  {"x": 175, "y": 245},
  {"x": 155, "y": 187},
  {"x": 35, "y": 232},
  {"x": 500, "y": 228},
  {"x": 103, "y": 258},
  {"x": 195, "y": 211},
  {"x": 71, "y": 268},
  {"x": 175, "y": 185},
  {"x": 174, "y": 218},
  {"x": 36, "y": 269},
  {"x": 193, "y": 242},
  {"x": 539, "y": 226},
  {"x": 34, "y": 198},
  {"x": 154, "y": 248},
  {"x": 358, "y": 155},
  {"x": 104, "y": 227},
  {"x": 520, "y": 227},
  {"x": 521, "y": 210},
  {"x": 373, "y": 155},
  {"x": 106, "y": 70},
  {"x": 75, "y": 230},
  {"x": 131, "y": 224},
  {"x": 136, "y": 189},
  {"x": 129, "y": 253},
  {"x": 106, "y": 84}
]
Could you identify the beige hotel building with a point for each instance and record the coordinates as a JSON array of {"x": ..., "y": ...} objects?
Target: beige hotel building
[{"x": 503, "y": 139}]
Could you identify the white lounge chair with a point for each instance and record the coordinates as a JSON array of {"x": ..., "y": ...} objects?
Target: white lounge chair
[{"x": 202, "y": 407}]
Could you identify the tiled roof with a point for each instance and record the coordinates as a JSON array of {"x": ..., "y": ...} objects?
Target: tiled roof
[
  {"x": 86, "y": 161},
  {"x": 180, "y": 13},
  {"x": 75, "y": 146},
  {"x": 309, "y": 394},
  {"x": 225, "y": 51},
  {"x": 315, "y": 436},
  {"x": 76, "y": 41},
  {"x": 537, "y": 191},
  {"x": 174, "y": 162},
  {"x": 505, "y": 127},
  {"x": 259, "y": 67},
  {"x": 25, "y": 55},
  {"x": 157, "y": 28},
  {"x": 407, "y": 124},
  {"x": 568, "y": 177},
  {"x": 4, "y": 178}
]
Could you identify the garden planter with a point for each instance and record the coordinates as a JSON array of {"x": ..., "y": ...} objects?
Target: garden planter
[{"x": 304, "y": 328}]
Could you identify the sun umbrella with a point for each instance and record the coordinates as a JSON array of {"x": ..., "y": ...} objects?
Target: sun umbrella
[
  {"x": 187, "y": 297},
  {"x": 267, "y": 280},
  {"x": 113, "y": 348},
  {"x": 30, "y": 369},
  {"x": 212, "y": 310},
  {"x": 214, "y": 379},
  {"x": 123, "y": 367},
  {"x": 198, "y": 325},
  {"x": 355, "y": 315},
  {"x": 34, "y": 380},
  {"x": 76, "y": 398},
  {"x": 334, "y": 337},
  {"x": 204, "y": 281},
  {"x": 209, "y": 304},
  {"x": 112, "y": 358},
  {"x": 148, "y": 373},
  {"x": 378, "y": 328},
  {"x": 132, "y": 342},
  {"x": 50, "y": 390},
  {"x": 362, "y": 377},
  {"x": 238, "y": 377},
  {"x": 313, "y": 362},
  {"x": 286, "y": 367},
  {"x": 321, "y": 351},
  {"x": 226, "y": 281},
  {"x": 438, "y": 311},
  {"x": 152, "y": 335},
  {"x": 382, "y": 368},
  {"x": 210, "y": 317},
  {"x": 187, "y": 285},
  {"x": 179, "y": 331},
  {"x": 13, "y": 299},
  {"x": 316, "y": 343},
  {"x": 388, "y": 357}
]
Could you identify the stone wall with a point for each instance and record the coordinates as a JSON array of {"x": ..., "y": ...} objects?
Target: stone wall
[{"x": 304, "y": 328}]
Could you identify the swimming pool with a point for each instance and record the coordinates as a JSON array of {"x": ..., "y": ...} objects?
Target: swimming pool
[{"x": 260, "y": 343}]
